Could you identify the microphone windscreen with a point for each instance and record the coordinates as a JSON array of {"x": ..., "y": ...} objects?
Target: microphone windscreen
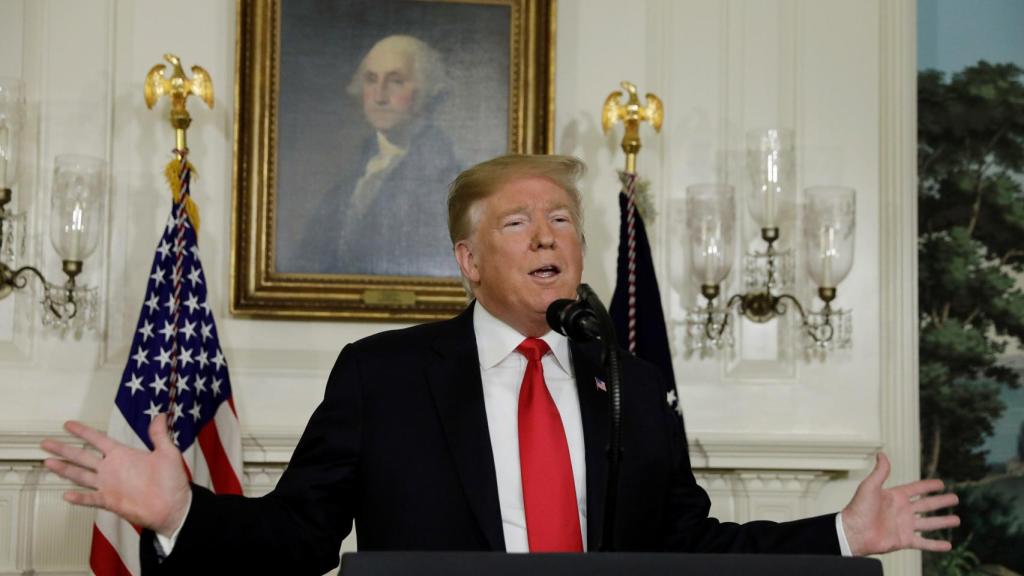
[{"x": 556, "y": 312}]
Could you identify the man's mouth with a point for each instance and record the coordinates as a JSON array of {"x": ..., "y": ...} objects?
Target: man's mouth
[{"x": 545, "y": 271}]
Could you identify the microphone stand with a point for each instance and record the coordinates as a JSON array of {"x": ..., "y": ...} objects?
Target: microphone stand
[{"x": 610, "y": 360}]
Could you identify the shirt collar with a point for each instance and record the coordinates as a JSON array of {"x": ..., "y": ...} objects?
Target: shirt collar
[
  {"x": 495, "y": 340},
  {"x": 386, "y": 147}
]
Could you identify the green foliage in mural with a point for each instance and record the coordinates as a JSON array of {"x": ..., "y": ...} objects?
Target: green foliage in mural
[
  {"x": 1020, "y": 445},
  {"x": 989, "y": 523},
  {"x": 959, "y": 561},
  {"x": 971, "y": 247}
]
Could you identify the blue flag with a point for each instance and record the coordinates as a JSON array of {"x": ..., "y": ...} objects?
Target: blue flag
[{"x": 639, "y": 320}]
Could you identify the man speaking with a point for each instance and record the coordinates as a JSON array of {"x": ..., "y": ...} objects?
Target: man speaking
[{"x": 483, "y": 432}]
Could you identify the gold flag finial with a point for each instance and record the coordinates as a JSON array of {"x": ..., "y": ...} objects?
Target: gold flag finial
[
  {"x": 631, "y": 113},
  {"x": 179, "y": 87}
]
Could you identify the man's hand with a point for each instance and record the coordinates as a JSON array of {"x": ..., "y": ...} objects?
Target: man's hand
[
  {"x": 149, "y": 489},
  {"x": 880, "y": 520}
]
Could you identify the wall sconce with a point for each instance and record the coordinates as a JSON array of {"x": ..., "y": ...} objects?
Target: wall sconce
[
  {"x": 76, "y": 209},
  {"x": 828, "y": 224}
]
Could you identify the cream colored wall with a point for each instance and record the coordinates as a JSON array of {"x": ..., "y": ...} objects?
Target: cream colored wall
[{"x": 779, "y": 436}]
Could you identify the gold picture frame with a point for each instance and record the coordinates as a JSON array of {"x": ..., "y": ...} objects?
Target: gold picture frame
[{"x": 275, "y": 273}]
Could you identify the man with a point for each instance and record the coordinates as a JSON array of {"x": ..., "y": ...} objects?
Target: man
[
  {"x": 483, "y": 432},
  {"x": 386, "y": 214}
]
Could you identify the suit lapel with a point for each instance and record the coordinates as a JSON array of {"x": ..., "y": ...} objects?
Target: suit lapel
[
  {"x": 594, "y": 413},
  {"x": 458, "y": 395}
]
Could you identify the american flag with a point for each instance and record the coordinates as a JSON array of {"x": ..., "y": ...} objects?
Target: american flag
[{"x": 176, "y": 366}]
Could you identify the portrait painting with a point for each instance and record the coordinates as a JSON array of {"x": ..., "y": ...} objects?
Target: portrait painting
[{"x": 373, "y": 108}]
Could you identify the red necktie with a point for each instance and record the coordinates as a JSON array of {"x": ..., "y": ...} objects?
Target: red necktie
[{"x": 549, "y": 493}]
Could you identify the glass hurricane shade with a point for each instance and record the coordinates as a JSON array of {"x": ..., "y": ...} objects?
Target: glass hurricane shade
[
  {"x": 710, "y": 222},
  {"x": 770, "y": 163},
  {"x": 76, "y": 205},
  {"x": 12, "y": 111},
  {"x": 829, "y": 225}
]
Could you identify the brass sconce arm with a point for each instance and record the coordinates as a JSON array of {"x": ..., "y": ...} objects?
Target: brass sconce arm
[
  {"x": 17, "y": 279},
  {"x": 762, "y": 306}
]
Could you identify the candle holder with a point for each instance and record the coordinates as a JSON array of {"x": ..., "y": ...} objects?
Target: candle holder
[
  {"x": 829, "y": 220},
  {"x": 76, "y": 210}
]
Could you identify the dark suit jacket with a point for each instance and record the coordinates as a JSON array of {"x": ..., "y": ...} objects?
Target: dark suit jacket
[
  {"x": 400, "y": 445},
  {"x": 404, "y": 230}
]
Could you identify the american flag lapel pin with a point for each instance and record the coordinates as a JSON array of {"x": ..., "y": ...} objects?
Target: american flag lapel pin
[{"x": 600, "y": 384}]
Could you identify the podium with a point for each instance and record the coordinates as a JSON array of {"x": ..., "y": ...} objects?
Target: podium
[{"x": 599, "y": 564}]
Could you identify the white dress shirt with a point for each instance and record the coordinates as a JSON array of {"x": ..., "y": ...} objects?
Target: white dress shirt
[
  {"x": 368, "y": 185},
  {"x": 502, "y": 370}
]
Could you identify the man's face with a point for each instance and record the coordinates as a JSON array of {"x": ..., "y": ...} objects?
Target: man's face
[
  {"x": 524, "y": 253},
  {"x": 390, "y": 88}
]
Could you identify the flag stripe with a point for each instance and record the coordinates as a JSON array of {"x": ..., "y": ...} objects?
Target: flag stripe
[
  {"x": 189, "y": 462},
  {"x": 116, "y": 530},
  {"x": 120, "y": 429},
  {"x": 221, "y": 472},
  {"x": 103, "y": 558},
  {"x": 230, "y": 436},
  {"x": 200, "y": 471}
]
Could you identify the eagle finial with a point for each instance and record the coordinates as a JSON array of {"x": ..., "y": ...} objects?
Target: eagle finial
[
  {"x": 631, "y": 113},
  {"x": 179, "y": 87}
]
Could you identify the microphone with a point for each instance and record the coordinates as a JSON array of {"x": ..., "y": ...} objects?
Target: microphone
[
  {"x": 587, "y": 319},
  {"x": 575, "y": 319}
]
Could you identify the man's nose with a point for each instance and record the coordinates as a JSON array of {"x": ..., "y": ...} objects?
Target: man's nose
[
  {"x": 543, "y": 235},
  {"x": 379, "y": 93}
]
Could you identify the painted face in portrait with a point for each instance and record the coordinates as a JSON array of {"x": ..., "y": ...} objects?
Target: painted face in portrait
[
  {"x": 525, "y": 252},
  {"x": 390, "y": 88}
]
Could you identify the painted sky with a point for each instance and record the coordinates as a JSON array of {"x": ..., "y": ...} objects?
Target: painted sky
[{"x": 952, "y": 34}]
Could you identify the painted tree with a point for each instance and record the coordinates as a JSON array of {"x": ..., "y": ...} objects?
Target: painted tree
[
  {"x": 1020, "y": 444},
  {"x": 971, "y": 248}
]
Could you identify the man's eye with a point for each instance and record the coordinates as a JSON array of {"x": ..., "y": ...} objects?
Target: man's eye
[{"x": 513, "y": 223}]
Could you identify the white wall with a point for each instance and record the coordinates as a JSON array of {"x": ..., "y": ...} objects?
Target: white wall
[{"x": 780, "y": 435}]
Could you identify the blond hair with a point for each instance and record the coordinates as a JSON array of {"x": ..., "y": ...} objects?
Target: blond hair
[{"x": 482, "y": 180}]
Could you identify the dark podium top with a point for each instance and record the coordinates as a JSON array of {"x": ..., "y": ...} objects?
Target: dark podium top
[{"x": 599, "y": 564}]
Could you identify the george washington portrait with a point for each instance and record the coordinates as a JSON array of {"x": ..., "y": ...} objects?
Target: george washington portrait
[{"x": 381, "y": 105}]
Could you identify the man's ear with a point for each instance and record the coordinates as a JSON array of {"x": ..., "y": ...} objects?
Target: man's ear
[{"x": 467, "y": 261}]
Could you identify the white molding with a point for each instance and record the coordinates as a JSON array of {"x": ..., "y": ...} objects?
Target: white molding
[
  {"x": 268, "y": 446},
  {"x": 718, "y": 451},
  {"x": 776, "y": 495},
  {"x": 898, "y": 250},
  {"x": 777, "y": 452},
  {"x": 263, "y": 447},
  {"x": 258, "y": 480}
]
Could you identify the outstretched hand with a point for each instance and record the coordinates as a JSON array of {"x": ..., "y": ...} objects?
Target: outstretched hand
[
  {"x": 149, "y": 489},
  {"x": 880, "y": 520}
]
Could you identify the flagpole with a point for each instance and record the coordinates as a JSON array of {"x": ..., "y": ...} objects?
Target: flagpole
[
  {"x": 179, "y": 176},
  {"x": 175, "y": 364},
  {"x": 631, "y": 114}
]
